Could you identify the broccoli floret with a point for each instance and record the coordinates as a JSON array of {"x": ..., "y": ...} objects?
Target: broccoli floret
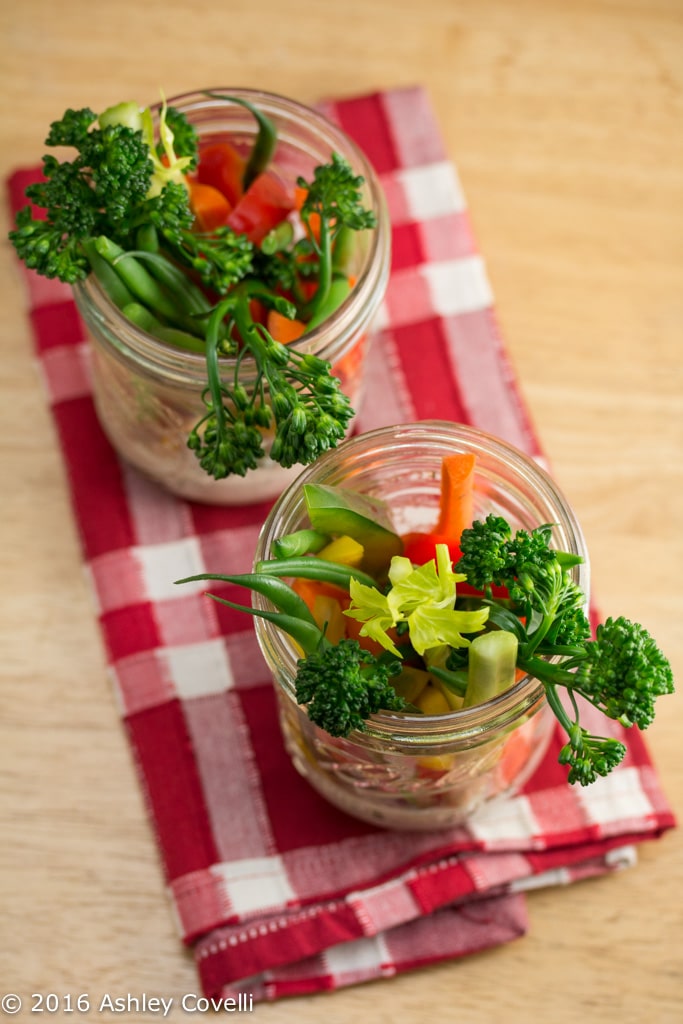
[
  {"x": 98, "y": 193},
  {"x": 590, "y": 756},
  {"x": 334, "y": 193},
  {"x": 621, "y": 673},
  {"x": 334, "y": 197},
  {"x": 536, "y": 576},
  {"x": 128, "y": 185},
  {"x": 307, "y": 408},
  {"x": 342, "y": 685},
  {"x": 107, "y": 190},
  {"x": 484, "y": 554}
]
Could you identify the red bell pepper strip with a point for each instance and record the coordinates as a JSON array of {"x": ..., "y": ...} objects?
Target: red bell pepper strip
[
  {"x": 264, "y": 205},
  {"x": 222, "y": 166}
]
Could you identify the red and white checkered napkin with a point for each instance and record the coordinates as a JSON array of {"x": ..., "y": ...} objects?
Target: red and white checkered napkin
[{"x": 278, "y": 892}]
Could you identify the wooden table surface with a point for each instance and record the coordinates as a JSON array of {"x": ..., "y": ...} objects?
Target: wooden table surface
[{"x": 565, "y": 120}]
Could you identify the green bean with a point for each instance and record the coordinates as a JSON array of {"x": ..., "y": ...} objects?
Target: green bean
[
  {"x": 146, "y": 288},
  {"x": 117, "y": 291},
  {"x": 142, "y": 317},
  {"x": 308, "y": 636},
  {"x": 455, "y": 681},
  {"x": 315, "y": 569},
  {"x": 278, "y": 238},
  {"x": 188, "y": 297},
  {"x": 266, "y": 140},
  {"x": 181, "y": 339},
  {"x": 301, "y": 542},
  {"x": 147, "y": 238},
  {"x": 275, "y": 589},
  {"x": 140, "y": 282}
]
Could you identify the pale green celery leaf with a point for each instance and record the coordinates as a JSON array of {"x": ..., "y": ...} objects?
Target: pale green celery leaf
[
  {"x": 177, "y": 165},
  {"x": 371, "y": 607},
  {"x": 431, "y": 626},
  {"x": 433, "y": 583},
  {"x": 424, "y": 597}
]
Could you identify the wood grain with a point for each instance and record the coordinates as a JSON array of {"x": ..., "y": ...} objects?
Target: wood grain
[{"x": 566, "y": 125}]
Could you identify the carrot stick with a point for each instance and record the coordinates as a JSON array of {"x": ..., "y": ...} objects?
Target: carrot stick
[
  {"x": 282, "y": 329},
  {"x": 209, "y": 206},
  {"x": 309, "y": 590},
  {"x": 300, "y": 195},
  {"x": 457, "y": 494}
]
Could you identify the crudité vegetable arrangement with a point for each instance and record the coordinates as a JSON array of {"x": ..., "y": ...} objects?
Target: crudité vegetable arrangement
[
  {"x": 434, "y": 622},
  {"x": 204, "y": 247}
]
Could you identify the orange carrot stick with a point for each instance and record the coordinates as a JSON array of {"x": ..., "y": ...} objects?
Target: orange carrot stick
[
  {"x": 310, "y": 589},
  {"x": 300, "y": 195},
  {"x": 457, "y": 494},
  {"x": 209, "y": 206},
  {"x": 283, "y": 329}
]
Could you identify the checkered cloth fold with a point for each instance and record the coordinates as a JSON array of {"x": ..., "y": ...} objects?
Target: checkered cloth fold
[{"x": 278, "y": 892}]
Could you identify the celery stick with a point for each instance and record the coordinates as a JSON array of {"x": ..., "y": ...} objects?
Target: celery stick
[{"x": 492, "y": 666}]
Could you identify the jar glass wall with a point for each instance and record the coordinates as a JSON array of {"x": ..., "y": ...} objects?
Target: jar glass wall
[
  {"x": 148, "y": 394},
  {"x": 410, "y": 770}
]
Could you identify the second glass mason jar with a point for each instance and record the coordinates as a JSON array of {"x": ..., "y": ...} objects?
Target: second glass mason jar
[
  {"x": 412, "y": 771},
  {"x": 148, "y": 395}
]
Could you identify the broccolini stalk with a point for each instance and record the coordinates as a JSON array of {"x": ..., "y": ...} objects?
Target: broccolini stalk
[
  {"x": 621, "y": 672},
  {"x": 334, "y": 195},
  {"x": 292, "y": 391}
]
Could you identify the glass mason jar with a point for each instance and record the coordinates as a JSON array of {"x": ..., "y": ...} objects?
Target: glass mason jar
[
  {"x": 148, "y": 394},
  {"x": 415, "y": 771}
]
